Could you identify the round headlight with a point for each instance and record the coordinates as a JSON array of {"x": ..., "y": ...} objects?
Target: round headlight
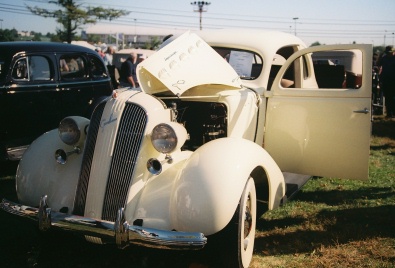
[
  {"x": 164, "y": 138},
  {"x": 69, "y": 131}
]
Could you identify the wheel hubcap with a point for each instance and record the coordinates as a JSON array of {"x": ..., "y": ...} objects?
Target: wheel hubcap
[{"x": 247, "y": 222}]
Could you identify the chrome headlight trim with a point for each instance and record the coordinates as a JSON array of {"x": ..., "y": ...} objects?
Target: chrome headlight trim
[
  {"x": 164, "y": 138},
  {"x": 69, "y": 131},
  {"x": 168, "y": 137}
]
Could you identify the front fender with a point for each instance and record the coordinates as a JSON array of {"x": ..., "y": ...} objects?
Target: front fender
[
  {"x": 210, "y": 185},
  {"x": 39, "y": 174}
]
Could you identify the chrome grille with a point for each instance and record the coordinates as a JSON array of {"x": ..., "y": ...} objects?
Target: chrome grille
[
  {"x": 128, "y": 142},
  {"x": 82, "y": 189}
]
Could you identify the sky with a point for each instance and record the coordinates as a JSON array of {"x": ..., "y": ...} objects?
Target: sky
[{"x": 323, "y": 21}]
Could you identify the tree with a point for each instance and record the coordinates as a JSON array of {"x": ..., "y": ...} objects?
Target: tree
[
  {"x": 71, "y": 16},
  {"x": 8, "y": 35},
  {"x": 153, "y": 43},
  {"x": 316, "y": 43},
  {"x": 94, "y": 38}
]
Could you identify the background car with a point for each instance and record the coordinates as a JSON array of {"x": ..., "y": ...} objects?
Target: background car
[{"x": 40, "y": 83}]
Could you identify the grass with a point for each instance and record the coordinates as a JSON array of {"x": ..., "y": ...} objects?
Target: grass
[
  {"x": 330, "y": 223},
  {"x": 337, "y": 223}
]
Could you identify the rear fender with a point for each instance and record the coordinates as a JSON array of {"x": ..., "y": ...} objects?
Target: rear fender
[
  {"x": 210, "y": 185},
  {"x": 39, "y": 174}
]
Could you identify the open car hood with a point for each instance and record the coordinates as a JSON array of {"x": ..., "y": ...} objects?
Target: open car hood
[{"x": 184, "y": 63}]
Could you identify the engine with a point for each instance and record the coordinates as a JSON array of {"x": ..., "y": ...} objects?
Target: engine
[{"x": 204, "y": 121}]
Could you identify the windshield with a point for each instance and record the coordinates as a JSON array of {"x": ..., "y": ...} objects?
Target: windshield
[{"x": 247, "y": 64}]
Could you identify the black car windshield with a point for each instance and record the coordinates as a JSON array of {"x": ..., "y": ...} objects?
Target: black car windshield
[{"x": 247, "y": 64}]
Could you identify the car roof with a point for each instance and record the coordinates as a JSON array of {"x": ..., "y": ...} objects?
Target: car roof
[
  {"x": 32, "y": 46},
  {"x": 250, "y": 39}
]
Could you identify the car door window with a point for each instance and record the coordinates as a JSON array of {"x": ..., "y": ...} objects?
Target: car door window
[
  {"x": 333, "y": 69},
  {"x": 20, "y": 70},
  {"x": 39, "y": 68},
  {"x": 338, "y": 69},
  {"x": 32, "y": 68},
  {"x": 97, "y": 68},
  {"x": 72, "y": 67}
]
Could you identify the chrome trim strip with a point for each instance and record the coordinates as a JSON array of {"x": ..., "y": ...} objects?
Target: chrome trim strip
[
  {"x": 16, "y": 153},
  {"x": 363, "y": 111},
  {"x": 119, "y": 232}
]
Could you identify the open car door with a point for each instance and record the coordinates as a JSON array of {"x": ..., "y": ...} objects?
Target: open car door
[{"x": 321, "y": 125}]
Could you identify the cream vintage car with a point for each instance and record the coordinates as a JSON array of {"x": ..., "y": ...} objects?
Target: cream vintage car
[{"x": 226, "y": 123}]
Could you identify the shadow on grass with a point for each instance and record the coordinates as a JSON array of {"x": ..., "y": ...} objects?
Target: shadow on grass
[
  {"x": 330, "y": 227},
  {"x": 336, "y": 227},
  {"x": 339, "y": 197},
  {"x": 384, "y": 128},
  {"x": 387, "y": 146}
]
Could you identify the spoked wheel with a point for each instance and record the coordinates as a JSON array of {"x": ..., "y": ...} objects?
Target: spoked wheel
[
  {"x": 238, "y": 237},
  {"x": 247, "y": 223}
]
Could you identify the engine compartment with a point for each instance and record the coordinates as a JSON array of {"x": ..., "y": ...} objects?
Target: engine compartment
[{"x": 204, "y": 121}]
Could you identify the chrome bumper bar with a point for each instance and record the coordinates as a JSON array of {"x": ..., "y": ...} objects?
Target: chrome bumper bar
[{"x": 105, "y": 232}]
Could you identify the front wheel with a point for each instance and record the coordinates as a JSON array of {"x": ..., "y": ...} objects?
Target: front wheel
[{"x": 239, "y": 235}]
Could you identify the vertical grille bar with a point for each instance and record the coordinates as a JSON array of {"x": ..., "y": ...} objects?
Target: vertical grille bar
[
  {"x": 82, "y": 188},
  {"x": 128, "y": 142}
]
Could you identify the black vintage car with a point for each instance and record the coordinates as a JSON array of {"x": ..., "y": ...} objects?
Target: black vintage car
[{"x": 41, "y": 83}]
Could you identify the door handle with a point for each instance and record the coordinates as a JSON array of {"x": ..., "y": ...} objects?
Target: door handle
[{"x": 364, "y": 111}]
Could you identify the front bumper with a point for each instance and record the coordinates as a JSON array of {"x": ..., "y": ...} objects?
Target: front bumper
[{"x": 105, "y": 232}]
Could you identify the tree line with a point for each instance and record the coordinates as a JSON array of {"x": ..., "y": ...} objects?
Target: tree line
[
  {"x": 70, "y": 16},
  {"x": 7, "y": 35}
]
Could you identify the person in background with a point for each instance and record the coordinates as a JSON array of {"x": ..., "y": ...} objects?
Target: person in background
[
  {"x": 63, "y": 65},
  {"x": 108, "y": 61},
  {"x": 109, "y": 55},
  {"x": 128, "y": 77},
  {"x": 388, "y": 50},
  {"x": 387, "y": 80},
  {"x": 100, "y": 52}
]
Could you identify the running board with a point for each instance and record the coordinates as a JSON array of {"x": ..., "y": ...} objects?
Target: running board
[{"x": 294, "y": 182}]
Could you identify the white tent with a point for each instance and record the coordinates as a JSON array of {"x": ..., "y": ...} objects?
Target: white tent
[{"x": 84, "y": 44}]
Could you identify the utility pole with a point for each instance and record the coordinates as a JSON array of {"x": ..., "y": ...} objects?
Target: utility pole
[
  {"x": 296, "y": 18},
  {"x": 200, "y": 8}
]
